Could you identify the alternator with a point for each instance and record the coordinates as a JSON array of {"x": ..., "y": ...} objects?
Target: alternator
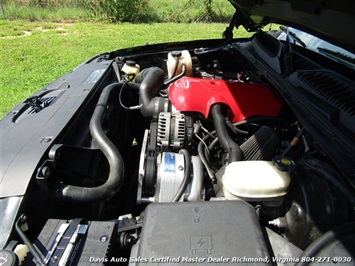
[{"x": 171, "y": 131}]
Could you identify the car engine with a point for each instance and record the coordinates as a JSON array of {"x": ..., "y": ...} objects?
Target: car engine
[{"x": 185, "y": 155}]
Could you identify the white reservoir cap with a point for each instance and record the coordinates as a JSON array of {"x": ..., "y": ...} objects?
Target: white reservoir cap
[{"x": 255, "y": 181}]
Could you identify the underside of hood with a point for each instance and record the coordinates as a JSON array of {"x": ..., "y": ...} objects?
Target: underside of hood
[{"x": 327, "y": 19}]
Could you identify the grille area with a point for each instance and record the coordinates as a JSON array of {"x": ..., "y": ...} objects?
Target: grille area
[
  {"x": 337, "y": 90},
  {"x": 43, "y": 102},
  {"x": 331, "y": 87}
]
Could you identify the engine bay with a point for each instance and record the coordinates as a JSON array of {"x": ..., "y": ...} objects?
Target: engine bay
[{"x": 185, "y": 156}]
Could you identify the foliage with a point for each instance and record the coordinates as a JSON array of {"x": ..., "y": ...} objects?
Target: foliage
[
  {"x": 53, "y": 14},
  {"x": 208, "y": 6},
  {"x": 47, "y": 3},
  {"x": 188, "y": 11},
  {"x": 183, "y": 11},
  {"x": 119, "y": 10}
]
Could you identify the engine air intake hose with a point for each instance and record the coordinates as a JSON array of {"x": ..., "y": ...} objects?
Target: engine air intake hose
[
  {"x": 114, "y": 158},
  {"x": 151, "y": 82},
  {"x": 219, "y": 121},
  {"x": 262, "y": 145}
]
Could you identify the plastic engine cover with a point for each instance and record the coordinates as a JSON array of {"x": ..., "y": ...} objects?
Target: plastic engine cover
[
  {"x": 244, "y": 99},
  {"x": 201, "y": 233}
]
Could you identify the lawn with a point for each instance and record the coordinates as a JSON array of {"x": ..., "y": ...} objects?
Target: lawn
[
  {"x": 34, "y": 54},
  {"x": 183, "y": 11}
]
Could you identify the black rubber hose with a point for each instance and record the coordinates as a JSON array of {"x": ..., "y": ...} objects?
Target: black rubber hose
[
  {"x": 176, "y": 56},
  {"x": 330, "y": 175},
  {"x": 187, "y": 172},
  {"x": 114, "y": 158},
  {"x": 320, "y": 243},
  {"x": 151, "y": 82},
  {"x": 219, "y": 121},
  {"x": 36, "y": 254}
]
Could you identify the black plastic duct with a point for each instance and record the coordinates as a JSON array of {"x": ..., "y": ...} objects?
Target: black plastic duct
[
  {"x": 151, "y": 82},
  {"x": 262, "y": 145},
  {"x": 219, "y": 121},
  {"x": 114, "y": 158}
]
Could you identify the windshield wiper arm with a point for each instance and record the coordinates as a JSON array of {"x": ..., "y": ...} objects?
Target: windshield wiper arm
[
  {"x": 293, "y": 36},
  {"x": 337, "y": 55}
]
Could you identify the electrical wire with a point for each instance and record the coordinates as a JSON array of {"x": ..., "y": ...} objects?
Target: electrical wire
[
  {"x": 136, "y": 107},
  {"x": 204, "y": 143}
]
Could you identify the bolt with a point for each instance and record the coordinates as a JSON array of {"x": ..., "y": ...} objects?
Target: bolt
[
  {"x": 46, "y": 171},
  {"x": 103, "y": 239},
  {"x": 180, "y": 167},
  {"x": 23, "y": 219}
]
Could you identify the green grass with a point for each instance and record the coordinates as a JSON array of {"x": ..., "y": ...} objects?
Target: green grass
[
  {"x": 190, "y": 11},
  {"x": 49, "y": 50},
  {"x": 184, "y": 11},
  {"x": 53, "y": 14}
]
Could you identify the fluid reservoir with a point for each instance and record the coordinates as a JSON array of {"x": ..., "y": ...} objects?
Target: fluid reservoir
[
  {"x": 176, "y": 60},
  {"x": 255, "y": 181},
  {"x": 131, "y": 69}
]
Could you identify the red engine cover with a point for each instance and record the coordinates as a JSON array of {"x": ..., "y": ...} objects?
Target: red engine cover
[{"x": 244, "y": 99}]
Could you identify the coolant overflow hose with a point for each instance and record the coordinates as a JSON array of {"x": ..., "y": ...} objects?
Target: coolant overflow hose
[
  {"x": 114, "y": 158},
  {"x": 219, "y": 121}
]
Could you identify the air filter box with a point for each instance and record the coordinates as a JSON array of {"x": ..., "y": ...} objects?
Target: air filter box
[{"x": 201, "y": 233}]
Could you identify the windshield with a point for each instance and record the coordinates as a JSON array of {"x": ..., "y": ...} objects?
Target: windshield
[{"x": 318, "y": 45}]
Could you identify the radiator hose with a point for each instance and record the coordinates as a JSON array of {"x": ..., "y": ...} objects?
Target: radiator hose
[
  {"x": 219, "y": 121},
  {"x": 151, "y": 82},
  {"x": 114, "y": 158}
]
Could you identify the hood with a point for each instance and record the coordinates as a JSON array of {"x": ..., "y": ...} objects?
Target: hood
[{"x": 330, "y": 20}]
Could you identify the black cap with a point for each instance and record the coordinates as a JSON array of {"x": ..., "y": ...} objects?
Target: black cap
[
  {"x": 284, "y": 163},
  {"x": 130, "y": 63}
]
